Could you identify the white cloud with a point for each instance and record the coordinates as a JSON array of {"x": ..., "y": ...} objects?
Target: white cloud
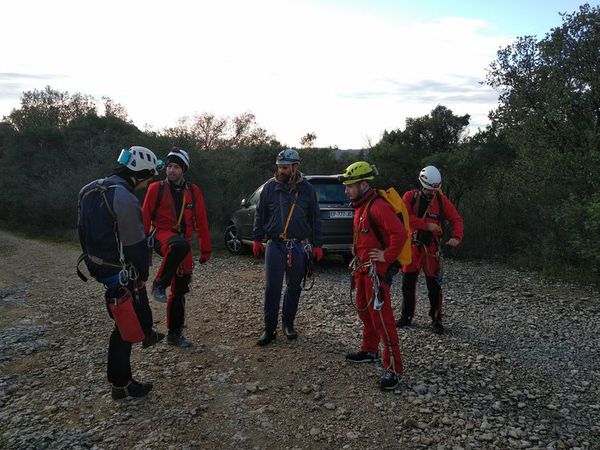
[{"x": 298, "y": 66}]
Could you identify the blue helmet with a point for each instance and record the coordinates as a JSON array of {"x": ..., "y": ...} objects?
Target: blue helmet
[{"x": 287, "y": 156}]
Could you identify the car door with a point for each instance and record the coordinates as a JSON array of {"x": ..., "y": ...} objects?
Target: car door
[{"x": 246, "y": 216}]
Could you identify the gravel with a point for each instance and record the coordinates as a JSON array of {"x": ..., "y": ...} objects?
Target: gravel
[{"x": 518, "y": 366}]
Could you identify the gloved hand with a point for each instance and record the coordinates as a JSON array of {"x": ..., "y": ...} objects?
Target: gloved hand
[
  {"x": 433, "y": 227},
  {"x": 317, "y": 253},
  {"x": 453, "y": 242},
  {"x": 204, "y": 257},
  {"x": 257, "y": 249}
]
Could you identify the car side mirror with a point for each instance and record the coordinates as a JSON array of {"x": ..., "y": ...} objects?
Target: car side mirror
[{"x": 243, "y": 203}]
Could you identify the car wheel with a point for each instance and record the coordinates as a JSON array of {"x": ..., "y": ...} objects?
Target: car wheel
[{"x": 232, "y": 240}]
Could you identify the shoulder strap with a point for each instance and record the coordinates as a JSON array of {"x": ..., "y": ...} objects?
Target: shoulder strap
[
  {"x": 415, "y": 202},
  {"x": 191, "y": 187},
  {"x": 442, "y": 218},
  {"x": 283, "y": 236},
  {"x": 374, "y": 227},
  {"x": 99, "y": 187},
  {"x": 161, "y": 189}
]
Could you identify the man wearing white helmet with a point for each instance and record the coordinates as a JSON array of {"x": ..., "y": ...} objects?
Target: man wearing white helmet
[
  {"x": 173, "y": 210},
  {"x": 429, "y": 209},
  {"x": 111, "y": 233}
]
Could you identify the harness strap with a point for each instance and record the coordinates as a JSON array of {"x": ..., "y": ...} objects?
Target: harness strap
[
  {"x": 415, "y": 205},
  {"x": 360, "y": 221},
  {"x": 161, "y": 189},
  {"x": 79, "y": 272},
  {"x": 178, "y": 224},
  {"x": 283, "y": 236}
]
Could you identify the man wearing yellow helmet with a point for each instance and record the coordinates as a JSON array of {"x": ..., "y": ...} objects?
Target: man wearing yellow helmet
[{"x": 369, "y": 266}]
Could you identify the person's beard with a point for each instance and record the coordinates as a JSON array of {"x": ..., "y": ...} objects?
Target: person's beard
[{"x": 283, "y": 177}]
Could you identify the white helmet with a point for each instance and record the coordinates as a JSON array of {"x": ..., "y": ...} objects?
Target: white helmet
[
  {"x": 179, "y": 156},
  {"x": 139, "y": 159},
  {"x": 430, "y": 178}
]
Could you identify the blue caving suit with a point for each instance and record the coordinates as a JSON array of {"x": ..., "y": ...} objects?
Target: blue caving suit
[{"x": 304, "y": 227}]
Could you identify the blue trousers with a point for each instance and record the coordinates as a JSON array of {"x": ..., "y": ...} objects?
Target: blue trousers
[{"x": 276, "y": 266}]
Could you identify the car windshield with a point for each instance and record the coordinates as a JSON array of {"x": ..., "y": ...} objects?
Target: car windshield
[{"x": 330, "y": 192}]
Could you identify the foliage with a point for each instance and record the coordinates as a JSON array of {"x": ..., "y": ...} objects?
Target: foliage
[
  {"x": 527, "y": 186},
  {"x": 549, "y": 112},
  {"x": 206, "y": 131},
  {"x": 308, "y": 140}
]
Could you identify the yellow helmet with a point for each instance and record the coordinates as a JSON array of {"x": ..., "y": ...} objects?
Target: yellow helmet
[{"x": 358, "y": 171}]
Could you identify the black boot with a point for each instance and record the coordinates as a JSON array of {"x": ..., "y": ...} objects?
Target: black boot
[
  {"x": 404, "y": 321},
  {"x": 159, "y": 293},
  {"x": 132, "y": 389},
  {"x": 389, "y": 380},
  {"x": 437, "y": 326},
  {"x": 266, "y": 338},
  {"x": 177, "y": 339},
  {"x": 290, "y": 332},
  {"x": 152, "y": 338}
]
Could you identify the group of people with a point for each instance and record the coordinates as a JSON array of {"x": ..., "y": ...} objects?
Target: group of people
[{"x": 117, "y": 236}]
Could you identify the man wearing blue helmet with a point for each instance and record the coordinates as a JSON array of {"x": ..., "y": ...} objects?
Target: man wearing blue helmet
[{"x": 288, "y": 216}]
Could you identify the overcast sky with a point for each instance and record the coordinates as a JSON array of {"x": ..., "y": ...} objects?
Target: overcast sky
[{"x": 342, "y": 69}]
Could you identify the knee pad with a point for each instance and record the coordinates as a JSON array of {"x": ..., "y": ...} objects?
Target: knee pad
[{"x": 179, "y": 245}]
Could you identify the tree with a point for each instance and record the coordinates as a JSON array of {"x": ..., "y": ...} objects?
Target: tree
[
  {"x": 50, "y": 108},
  {"x": 308, "y": 140},
  {"x": 114, "y": 109},
  {"x": 206, "y": 131},
  {"x": 429, "y": 139},
  {"x": 549, "y": 111}
]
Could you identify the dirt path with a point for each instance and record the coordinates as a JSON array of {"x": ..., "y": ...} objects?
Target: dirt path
[{"x": 518, "y": 367}]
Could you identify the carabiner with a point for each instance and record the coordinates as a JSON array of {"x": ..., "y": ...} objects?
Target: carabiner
[
  {"x": 123, "y": 277},
  {"x": 150, "y": 239},
  {"x": 132, "y": 273}
]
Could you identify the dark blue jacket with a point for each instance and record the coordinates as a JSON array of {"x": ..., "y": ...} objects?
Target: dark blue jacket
[{"x": 273, "y": 208}]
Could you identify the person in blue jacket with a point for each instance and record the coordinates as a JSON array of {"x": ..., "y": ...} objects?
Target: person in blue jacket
[{"x": 288, "y": 216}]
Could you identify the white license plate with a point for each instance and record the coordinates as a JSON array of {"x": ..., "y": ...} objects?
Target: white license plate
[{"x": 341, "y": 214}]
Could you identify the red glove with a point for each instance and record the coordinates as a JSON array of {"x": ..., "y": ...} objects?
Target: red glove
[
  {"x": 257, "y": 249},
  {"x": 317, "y": 253},
  {"x": 204, "y": 257}
]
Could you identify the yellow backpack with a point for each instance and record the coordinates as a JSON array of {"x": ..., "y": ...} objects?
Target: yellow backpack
[{"x": 391, "y": 196}]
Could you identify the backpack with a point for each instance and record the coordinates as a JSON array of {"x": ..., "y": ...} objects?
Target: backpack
[
  {"x": 98, "y": 233},
  {"x": 391, "y": 196}
]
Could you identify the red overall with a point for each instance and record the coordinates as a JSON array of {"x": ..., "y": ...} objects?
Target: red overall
[
  {"x": 175, "y": 244},
  {"x": 378, "y": 326},
  {"x": 425, "y": 249}
]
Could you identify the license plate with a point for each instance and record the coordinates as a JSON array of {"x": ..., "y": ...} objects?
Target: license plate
[{"x": 341, "y": 214}]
